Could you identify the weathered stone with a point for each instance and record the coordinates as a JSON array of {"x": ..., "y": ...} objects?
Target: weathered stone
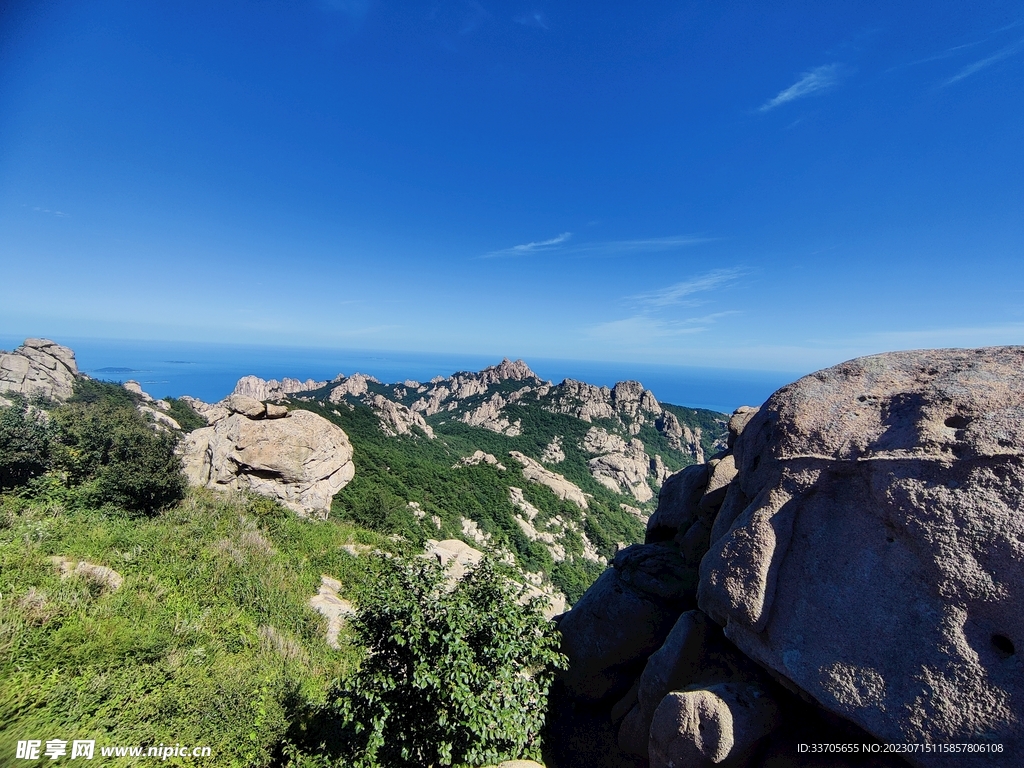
[
  {"x": 301, "y": 460},
  {"x": 582, "y": 735},
  {"x": 739, "y": 419},
  {"x": 246, "y": 406},
  {"x": 634, "y": 733},
  {"x": 101, "y": 575},
  {"x": 356, "y": 385},
  {"x": 628, "y": 466},
  {"x": 677, "y": 503},
  {"x": 658, "y": 570},
  {"x": 275, "y": 411},
  {"x": 212, "y": 412},
  {"x": 562, "y": 488},
  {"x": 723, "y": 471},
  {"x": 878, "y": 565},
  {"x": 694, "y": 653},
  {"x": 159, "y": 418},
  {"x": 478, "y": 457},
  {"x": 454, "y": 556},
  {"x": 489, "y": 414},
  {"x": 719, "y": 725},
  {"x": 396, "y": 419},
  {"x": 329, "y": 604},
  {"x": 136, "y": 389},
  {"x": 623, "y": 618},
  {"x": 263, "y": 390},
  {"x": 39, "y": 368},
  {"x": 553, "y": 453}
]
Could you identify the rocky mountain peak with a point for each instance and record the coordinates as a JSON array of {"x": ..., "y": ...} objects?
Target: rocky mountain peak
[
  {"x": 507, "y": 369},
  {"x": 39, "y": 367},
  {"x": 272, "y": 389}
]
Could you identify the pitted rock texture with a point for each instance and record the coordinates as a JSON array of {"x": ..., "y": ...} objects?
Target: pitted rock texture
[
  {"x": 301, "y": 460},
  {"x": 872, "y": 547},
  {"x": 39, "y": 367},
  {"x": 719, "y": 725}
]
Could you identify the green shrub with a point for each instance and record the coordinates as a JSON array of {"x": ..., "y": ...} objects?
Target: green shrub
[
  {"x": 24, "y": 444},
  {"x": 452, "y": 675},
  {"x": 185, "y": 415},
  {"x": 101, "y": 444}
]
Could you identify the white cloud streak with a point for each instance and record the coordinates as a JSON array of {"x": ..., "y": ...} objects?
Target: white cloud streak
[
  {"x": 677, "y": 292},
  {"x": 644, "y": 329},
  {"x": 977, "y": 66},
  {"x": 606, "y": 248},
  {"x": 527, "y": 248},
  {"x": 817, "y": 80}
]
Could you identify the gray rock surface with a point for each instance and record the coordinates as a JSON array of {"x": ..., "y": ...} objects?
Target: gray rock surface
[
  {"x": 716, "y": 726},
  {"x": 39, "y": 368},
  {"x": 101, "y": 575},
  {"x": 619, "y": 466},
  {"x": 562, "y": 488},
  {"x": 874, "y": 555},
  {"x": 396, "y": 419},
  {"x": 478, "y": 457},
  {"x": 263, "y": 389},
  {"x": 356, "y": 385},
  {"x": 301, "y": 460},
  {"x": 329, "y": 604},
  {"x": 623, "y": 618},
  {"x": 677, "y": 503}
]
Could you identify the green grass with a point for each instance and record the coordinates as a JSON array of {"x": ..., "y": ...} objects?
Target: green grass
[{"x": 209, "y": 640}]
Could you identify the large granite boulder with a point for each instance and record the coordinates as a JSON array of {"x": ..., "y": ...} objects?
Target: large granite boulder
[
  {"x": 39, "y": 368},
  {"x": 301, "y": 459},
  {"x": 623, "y": 618},
  {"x": 870, "y": 550}
]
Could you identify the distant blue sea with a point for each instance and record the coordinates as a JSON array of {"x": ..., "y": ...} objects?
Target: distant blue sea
[{"x": 209, "y": 371}]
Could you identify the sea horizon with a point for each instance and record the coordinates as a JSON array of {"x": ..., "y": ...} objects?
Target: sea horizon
[{"x": 210, "y": 370}]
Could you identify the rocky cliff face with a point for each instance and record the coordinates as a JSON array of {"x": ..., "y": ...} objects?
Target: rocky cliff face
[
  {"x": 850, "y": 568},
  {"x": 38, "y": 368},
  {"x": 262, "y": 389}
]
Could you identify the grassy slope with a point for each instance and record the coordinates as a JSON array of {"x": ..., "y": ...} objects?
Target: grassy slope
[{"x": 177, "y": 654}]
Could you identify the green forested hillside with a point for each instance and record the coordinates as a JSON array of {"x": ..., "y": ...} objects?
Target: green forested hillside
[{"x": 134, "y": 612}]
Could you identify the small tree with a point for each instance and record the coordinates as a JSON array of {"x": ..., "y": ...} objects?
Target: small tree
[
  {"x": 101, "y": 442},
  {"x": 24, "y": 443},
  {"x": 453, "y": 675}
]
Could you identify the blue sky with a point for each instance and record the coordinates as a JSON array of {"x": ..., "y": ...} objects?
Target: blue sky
[{"x": 767, "y": 186}]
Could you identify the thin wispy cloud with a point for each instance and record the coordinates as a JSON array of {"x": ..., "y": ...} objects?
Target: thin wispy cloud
[
  {"x": 600, "y": 248},
  {"x": 40, "y": 209},
  {"x": 1011, "y": 25},
  {"x": 988, "y": 61},
  {"x": 645, "y": 245},
  {"x": 677, "y": 293},
  {"x": 935, "y": 57},
  {"x": 533, "y": 19},
  {"x": 631, "y": 330},
  {"x": 528, "y": 248},
  {"x": 818, "y": 80}
]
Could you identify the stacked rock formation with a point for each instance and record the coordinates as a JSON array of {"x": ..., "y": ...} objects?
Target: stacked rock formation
[
  {"x": 849, "y": 570},
  {"x": 296, "y": 457},
  {"x": 38, "y": 368}
]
